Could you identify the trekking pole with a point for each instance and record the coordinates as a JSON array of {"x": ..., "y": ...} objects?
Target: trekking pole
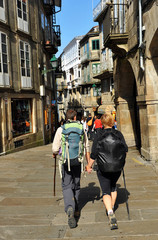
[
  {"x": 126, "y": 194},
  {"x": 54, "y": 174}
]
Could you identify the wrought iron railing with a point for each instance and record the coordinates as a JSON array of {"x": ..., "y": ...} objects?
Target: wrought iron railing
[
  {"x": 47, "y": 2},
  {"x": 118, "y": 18},
  {"x": 52, "y": 35},
  {"x": 99, "y": 8},
  {"x": 115, "y": 21}
]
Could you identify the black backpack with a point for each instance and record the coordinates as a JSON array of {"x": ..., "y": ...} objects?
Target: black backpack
[{"x": 111, "y": 151}]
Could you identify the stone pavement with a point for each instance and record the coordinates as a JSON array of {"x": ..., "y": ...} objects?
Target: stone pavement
[{"x": 29, "y": 211}]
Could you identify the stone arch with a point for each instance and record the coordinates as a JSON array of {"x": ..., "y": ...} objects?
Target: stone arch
[{"x": 126, "y": 104}]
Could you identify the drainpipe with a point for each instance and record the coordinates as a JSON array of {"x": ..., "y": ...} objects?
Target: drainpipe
[{"x": 140, "y": 36}]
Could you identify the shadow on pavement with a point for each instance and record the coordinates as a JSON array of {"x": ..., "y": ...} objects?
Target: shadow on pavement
[
  {"x": 122, "y": 196},
  {"x": 89, "y": 194}
]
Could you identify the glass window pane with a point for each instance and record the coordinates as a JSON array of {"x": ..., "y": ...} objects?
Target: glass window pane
[
  {"x": 3, "y": 38},
  {"x": 24, "y": 7},
  {"x": 19, "y": 4},
  {"x": 97, "y": 44},
  {"x": 27, "y": 55},
  {"x": 25, "y": 16},
  {"x": 26, "y": 47},
  {"x": 1, "y": 3},
  {"x": 19, "y": 13},
  {"x": 5, "y": 68},
  {"x": 21, "y": 45},
  {"x": 22, "y": 63},
  {"x": 25, "y": 59},
  {"x": 23, "y": 71},
  {"x": 4, "y": 48},
  {"x": 21, "y": 117},
  {"x": 28, "y": 72},
  {"x": 22, "y": 54},
  {"x": 4, "y": 58},
  {"x": 27, "y": 64},
  {"x": 93, "y": 45}
]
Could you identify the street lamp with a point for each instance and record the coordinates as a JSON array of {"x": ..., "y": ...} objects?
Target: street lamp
[{"x": 54, "y": 62}]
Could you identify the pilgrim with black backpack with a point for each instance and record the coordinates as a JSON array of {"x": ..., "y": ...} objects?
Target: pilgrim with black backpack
[{"x": 109, "y": 150}]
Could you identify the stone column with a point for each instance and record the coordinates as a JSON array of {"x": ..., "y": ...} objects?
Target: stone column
[{"x": 125, "y": 120}]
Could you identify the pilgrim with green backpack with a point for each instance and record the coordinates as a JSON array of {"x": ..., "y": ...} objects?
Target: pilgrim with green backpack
[{"x": 73, "y": 142}]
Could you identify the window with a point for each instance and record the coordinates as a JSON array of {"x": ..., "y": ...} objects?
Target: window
[
  {"x": 89, "y": 91},
  {"x": 2, "y": 10},
  {"x": 25, "y": 65},
  {"x": 97, "y": 91},
  {"x": 1, "y": 4},
  {"x": 4, "y": 73},
  {"x": 42, "y": 20},
  {"x": 96, "y": 68},
  {"x": 95, "y": 44},
  {"x": 22, "y": 15},
  {"x": 21, "y": 116}
]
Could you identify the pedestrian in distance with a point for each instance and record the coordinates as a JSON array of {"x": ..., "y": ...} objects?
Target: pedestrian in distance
[
  {"x": 72, "y": 139},
  {"x": 83, "y": 121},
  {"x": 109, "y": 150},
  {"x": 97, "y": 124},
  {"x": 90, "y": 121}
]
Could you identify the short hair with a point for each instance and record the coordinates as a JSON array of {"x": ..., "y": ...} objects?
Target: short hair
[
  {"x": 70, "y": 114},
  {"x": 107, "y": 120}
]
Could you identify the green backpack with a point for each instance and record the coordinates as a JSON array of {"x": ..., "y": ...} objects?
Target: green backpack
[{"x": 72, "y": 142}]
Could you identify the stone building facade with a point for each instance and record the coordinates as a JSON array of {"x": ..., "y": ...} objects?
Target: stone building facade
[
  {"x": 131, "y": 30},
  {"x": 106, "y": 66},
  {"x": 79, "y": 86},
  {"x": 90, "y": 68},
  {"x": 28, "y": 38},
  {"x": 70, "y": 81}
]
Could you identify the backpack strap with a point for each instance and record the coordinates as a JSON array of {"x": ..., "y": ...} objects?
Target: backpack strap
[{"x": 67, "y": 152}]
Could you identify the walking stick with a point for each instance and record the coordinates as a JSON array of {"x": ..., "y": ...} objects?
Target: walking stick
[
  {"x": 126, "y": 194},
  {"x": 54, "y": 174}
]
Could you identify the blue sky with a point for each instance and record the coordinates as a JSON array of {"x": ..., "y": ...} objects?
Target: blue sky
[{"x": 75, "y": 19}]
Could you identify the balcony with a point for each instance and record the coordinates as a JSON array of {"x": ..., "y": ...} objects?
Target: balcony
[
  {"x": 91, "y": 55},
  {"x": 100, "y": 8},
  {"x": 56, "y": 30},
  {"x": 106, "y": 70},
  {"x": 107, "y": 66},
  {"x": 115, "y": 25},
  {"x": 84, "y": 57},
  {"x": 52, "y": 38},
  {"x": 48, "y": 7},
  {"x": 76, "y": 82}
]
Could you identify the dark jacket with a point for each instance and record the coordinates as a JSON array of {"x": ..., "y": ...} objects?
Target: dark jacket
[{"x": 100, "y": 132}]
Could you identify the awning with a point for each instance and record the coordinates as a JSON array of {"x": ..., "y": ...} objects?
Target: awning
[{"x": 106, "y": 109}]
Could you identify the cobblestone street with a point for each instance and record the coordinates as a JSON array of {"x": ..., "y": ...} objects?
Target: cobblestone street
[{"x": 28, "y": 209}]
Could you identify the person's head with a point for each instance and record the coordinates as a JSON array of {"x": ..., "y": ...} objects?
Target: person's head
[
  {"x": 107, "y": 120},
  {"x": 71, "y": 114},
  {"x": 89, "y": 115}
]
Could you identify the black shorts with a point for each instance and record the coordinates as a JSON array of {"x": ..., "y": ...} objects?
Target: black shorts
[{"x": 108, "y": 181}]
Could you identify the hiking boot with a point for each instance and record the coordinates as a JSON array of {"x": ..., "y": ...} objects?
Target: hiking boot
[
  {"x": 71, "y": 218},
  {"x": 112, "y": 221}
]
